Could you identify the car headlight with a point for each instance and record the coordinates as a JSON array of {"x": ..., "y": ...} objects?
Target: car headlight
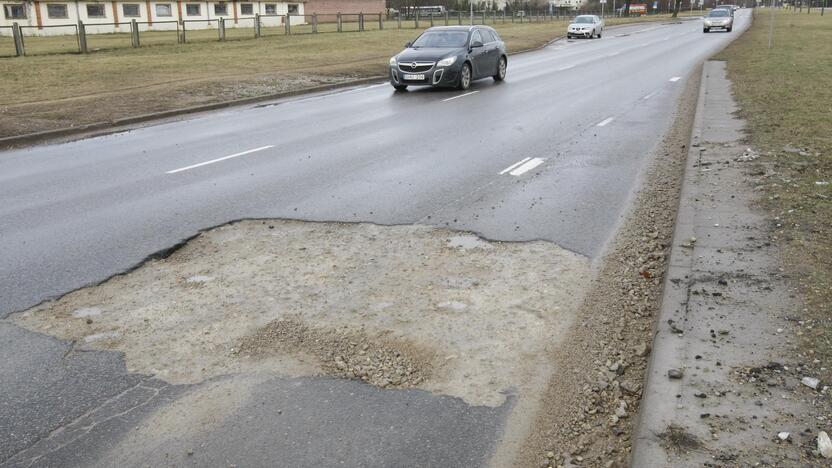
[
  {"x": 392, "y": 61},
  {"x": 446, "y": 62}
]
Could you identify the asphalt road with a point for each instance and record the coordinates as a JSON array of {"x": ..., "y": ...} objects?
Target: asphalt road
[{"x": 584, "y": 113}]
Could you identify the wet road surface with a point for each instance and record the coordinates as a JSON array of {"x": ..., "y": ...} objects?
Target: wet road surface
[{"x": 552, "y": 153}]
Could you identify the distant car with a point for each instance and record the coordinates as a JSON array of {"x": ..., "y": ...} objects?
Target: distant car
[
  {"x": 731, "y": 8},
  {"x": 718, "y": 18},
  {"x": 587, "y": 26},
  {"x": 450, "y": 56}
]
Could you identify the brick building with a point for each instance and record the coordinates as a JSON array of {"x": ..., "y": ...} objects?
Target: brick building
[{"x": 327, "y": 7}]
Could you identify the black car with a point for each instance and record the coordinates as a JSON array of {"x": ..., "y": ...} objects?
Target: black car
[{"x": 450, "y": 56}]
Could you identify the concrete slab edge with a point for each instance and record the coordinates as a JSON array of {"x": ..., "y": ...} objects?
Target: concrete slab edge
[{"x": 658, "y": 400}]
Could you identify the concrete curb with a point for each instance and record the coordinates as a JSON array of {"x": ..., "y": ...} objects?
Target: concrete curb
[
  {"x": 98, "y": 127},
  {"x": 658, "y": 401}
]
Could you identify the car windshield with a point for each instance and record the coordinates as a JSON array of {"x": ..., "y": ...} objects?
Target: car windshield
[
  {"x": 442, "y": 39},
  {"x": 718, "y": 13},
  {"x": 583, "y": 20}
]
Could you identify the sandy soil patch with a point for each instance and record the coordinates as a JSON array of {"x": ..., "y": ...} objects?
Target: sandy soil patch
[{"x": 401, "y": 306}]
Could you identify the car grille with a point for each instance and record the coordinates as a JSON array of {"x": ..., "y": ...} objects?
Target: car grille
[{"x": 421, "y": 67}]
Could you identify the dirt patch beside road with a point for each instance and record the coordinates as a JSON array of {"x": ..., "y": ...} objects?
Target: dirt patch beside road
[{"x": 400, "y": 306}]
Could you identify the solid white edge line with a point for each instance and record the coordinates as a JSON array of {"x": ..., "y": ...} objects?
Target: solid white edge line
[
  {"x": 649, "y": 95},
  {"x": 527, "y": 166},
  {"x": 676, "y": 78},
  {"x": 235, "y": 155},
  {"x": 605, "y": 121},
  {"x": 514, "y": 165},
  {"x": 461, "y": 95},
  {"x": 566, "y": 67}
]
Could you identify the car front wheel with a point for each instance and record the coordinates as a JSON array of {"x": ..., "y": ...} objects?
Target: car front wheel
[
  {"x": 400, "y": 87},
  {"x": 705, "y": 30},
  {"x": 501, "y": 70},
  {"x": 465, "y": 77}
]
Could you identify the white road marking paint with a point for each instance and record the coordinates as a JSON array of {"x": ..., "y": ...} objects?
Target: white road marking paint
[
  {"x": 613, "y": 54},
  {"x": 566, "y": 67},
  {"x": 461, "y": 95},
  {"x": 235, "y": 155},
  {"x": 514, "y": 165},
  {"x": 676, "y": 78},
  {"x": 605, "y": 121},
  {"x": 527, "y": 166},
  {"x": 649, "y": 95}
]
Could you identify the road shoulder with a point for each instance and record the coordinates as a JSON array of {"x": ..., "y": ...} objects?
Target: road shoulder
[{"x": 724, "y": 382}]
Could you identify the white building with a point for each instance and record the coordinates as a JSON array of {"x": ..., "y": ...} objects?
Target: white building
[
  {"x": 44, "y": 18},
  {"x": 568, "y": 4}
]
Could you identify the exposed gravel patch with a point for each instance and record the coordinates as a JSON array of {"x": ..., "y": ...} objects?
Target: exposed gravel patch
[
  {"x": 347, "y": 354},
  {"x": 394, "y": 306}
]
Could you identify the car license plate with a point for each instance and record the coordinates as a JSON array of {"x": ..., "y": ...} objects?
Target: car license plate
[{"x": 414, "y": 77}]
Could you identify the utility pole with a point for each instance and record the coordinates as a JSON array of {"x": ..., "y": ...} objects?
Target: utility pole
[{"x": 771, "y": 25}]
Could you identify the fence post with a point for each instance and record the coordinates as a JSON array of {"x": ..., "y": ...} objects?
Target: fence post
[
  {"x": 399, "y": 20},
  {"x": 221, "y": 28},
  {"x": 417, "y": 18},
  {"x": 82, "y": 37},
  {"x": 134, "y": 33},
  {"x": 257, "y": 25},
  {"x": 339, "y": 22},
  {"x": 315, "y": 23},
  {"x": 380, "y": 22},
  {"x": 19, "y": 48},
  {"x": 361, "y": 21},
  {"x": 459, "y": 17},
  {"x": 288, "y": 24},
  {"x": 183, "y": 39},
  {"x": 446, "y": 17},
  {"x": 483, "y": 17}
]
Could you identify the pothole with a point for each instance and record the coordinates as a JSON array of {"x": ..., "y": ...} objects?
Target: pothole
[{"x": 394, "y": 306}]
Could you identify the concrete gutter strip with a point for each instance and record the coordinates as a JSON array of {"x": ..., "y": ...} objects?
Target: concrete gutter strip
[
  {"x": 727, "y": 318},
  {"x": 95, "y": 128},
  {"x": 659, "y": 397}
]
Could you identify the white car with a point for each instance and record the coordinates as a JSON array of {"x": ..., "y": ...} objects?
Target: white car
[{"x": 588, "y": 26}]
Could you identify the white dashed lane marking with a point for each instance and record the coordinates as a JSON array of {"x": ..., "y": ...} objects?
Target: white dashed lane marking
[
  {"x": 230, "y": 156},
  {"x": 524, "y": 165},
  {"x": 460, "y": 96}
]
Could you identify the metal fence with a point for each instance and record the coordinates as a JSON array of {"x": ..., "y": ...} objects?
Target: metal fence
[{"x": 82, "y": 37}]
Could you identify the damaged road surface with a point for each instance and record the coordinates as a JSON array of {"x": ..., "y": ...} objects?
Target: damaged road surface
[
  {"x": 256, "y": 302},
  {"x": 413, "y": 282}
]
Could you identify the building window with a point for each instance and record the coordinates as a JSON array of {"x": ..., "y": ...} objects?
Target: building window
[
  {"x": 220, "y": 9},
  {"x": 163, "y": 9},
  {"x": 130, "y": 10},
  {"x": 271, "y": 8},
  {"x": 56, "y": 10},
  {"x": 246, "y": 9},
  {"x": 95, "y": 10},
  {"x": 16, "y": 11},
  {"x": 293, "y": 8},
  {"x": 193, "y": 9}
]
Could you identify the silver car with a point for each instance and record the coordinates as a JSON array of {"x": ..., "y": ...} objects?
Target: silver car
[
  {"x": 719, "y": 18},
  {"x": 588, "y": 26}
]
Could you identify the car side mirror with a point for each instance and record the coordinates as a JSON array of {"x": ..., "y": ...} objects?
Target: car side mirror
[
  {"x": 476, "y": 44},
  {"x": 407, "y": 45}
]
